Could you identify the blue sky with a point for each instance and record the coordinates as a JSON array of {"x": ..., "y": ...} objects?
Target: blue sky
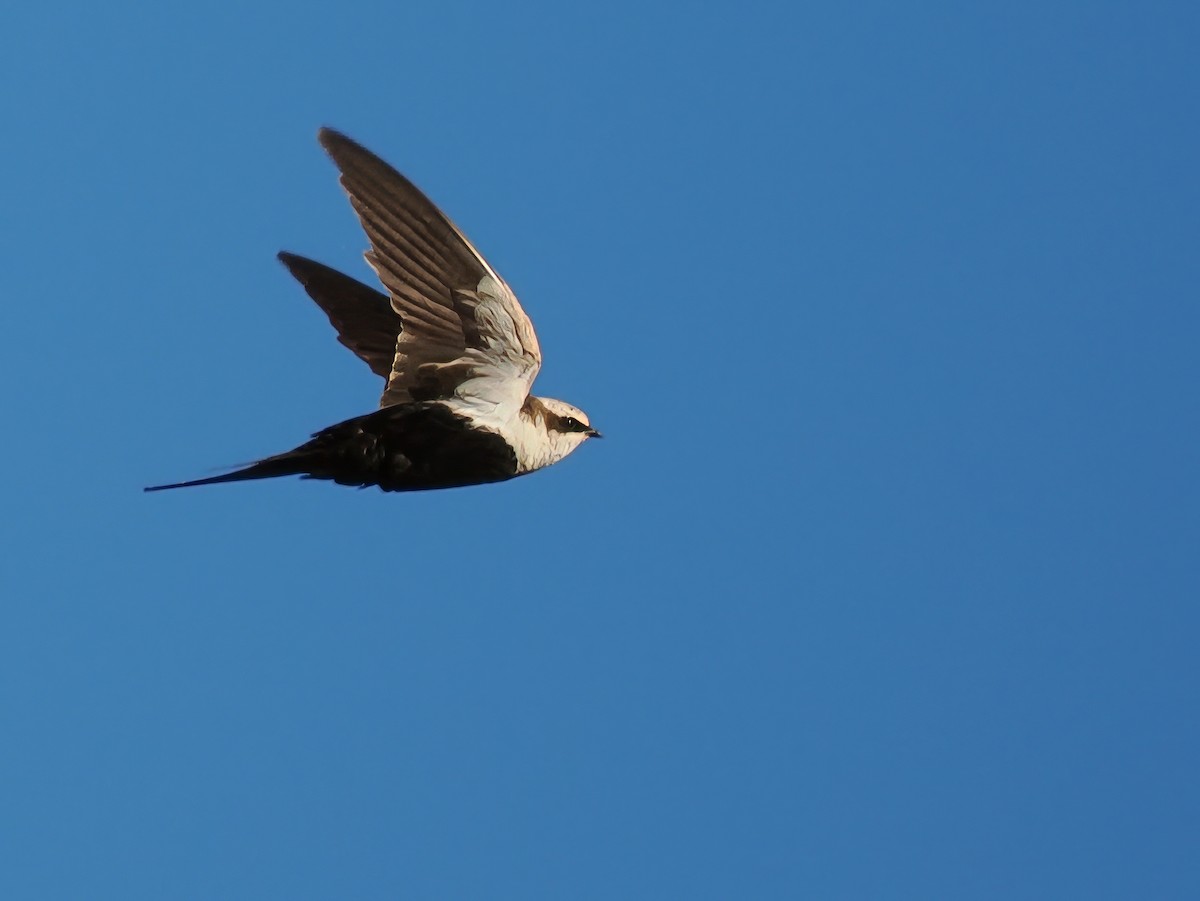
[{"x": 883, "y": 583}]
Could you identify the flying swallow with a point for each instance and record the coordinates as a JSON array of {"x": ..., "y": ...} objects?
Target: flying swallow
[{"x": 457, "y": 353}]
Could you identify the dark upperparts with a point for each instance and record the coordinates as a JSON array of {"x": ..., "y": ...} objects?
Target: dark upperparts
[
  {"x": 409, "y": 447},
  {"x": 404, "y": 447}
]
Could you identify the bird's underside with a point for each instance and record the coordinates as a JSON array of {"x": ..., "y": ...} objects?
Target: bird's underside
[
  {"x": 406, "y": 447},
  {"x": 456, "y": 351}
]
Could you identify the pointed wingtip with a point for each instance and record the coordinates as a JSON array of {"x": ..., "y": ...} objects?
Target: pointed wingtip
[
  {"x": 332, "y": 139},
  {"x": 347, "y": 154},
  {"x": 341, "y": 149}
]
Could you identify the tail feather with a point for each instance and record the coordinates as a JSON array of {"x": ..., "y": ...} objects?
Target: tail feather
[
  {"x": 283, "y": 465},
  {"x": 398, "y": 448}
]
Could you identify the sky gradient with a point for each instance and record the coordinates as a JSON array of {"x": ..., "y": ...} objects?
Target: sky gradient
[{"x": 883, "y": 583}]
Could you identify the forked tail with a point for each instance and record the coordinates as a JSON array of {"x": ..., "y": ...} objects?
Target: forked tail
[{"x": 283, "y": 465}]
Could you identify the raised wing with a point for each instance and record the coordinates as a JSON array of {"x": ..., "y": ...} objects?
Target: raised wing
[
  {"x": 364, "y": 318},
  {"x": 464, "y": 333}
]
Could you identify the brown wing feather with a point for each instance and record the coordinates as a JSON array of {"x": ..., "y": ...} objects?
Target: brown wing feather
[
  {"x": 419, "y": 255},
  {"x": 428, "y": 267},
  {"x": 363, "y": 317}
]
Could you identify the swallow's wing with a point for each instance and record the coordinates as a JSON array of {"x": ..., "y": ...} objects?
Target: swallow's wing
[
  {"x": 364, "y": 318},
  {"x": 464, "y": 332}
]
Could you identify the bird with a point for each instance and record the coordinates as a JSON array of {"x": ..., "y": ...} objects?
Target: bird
[{"x": 457, "y": 353}]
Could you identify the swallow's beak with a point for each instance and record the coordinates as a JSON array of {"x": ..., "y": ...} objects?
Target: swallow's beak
[{"x": 592, "y": 433}]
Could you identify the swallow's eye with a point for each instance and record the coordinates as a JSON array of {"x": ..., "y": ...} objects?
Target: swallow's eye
[{"x": 571, "y": 423}]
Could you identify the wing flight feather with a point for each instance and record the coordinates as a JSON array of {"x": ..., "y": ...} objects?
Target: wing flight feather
[{"x": 464, "y": 333}]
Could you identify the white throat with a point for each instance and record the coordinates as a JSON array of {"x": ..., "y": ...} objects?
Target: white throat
[{"x": 535, "y": 445}]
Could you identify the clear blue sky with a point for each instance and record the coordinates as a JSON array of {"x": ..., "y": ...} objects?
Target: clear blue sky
[{"x": 883, "y": 585}]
